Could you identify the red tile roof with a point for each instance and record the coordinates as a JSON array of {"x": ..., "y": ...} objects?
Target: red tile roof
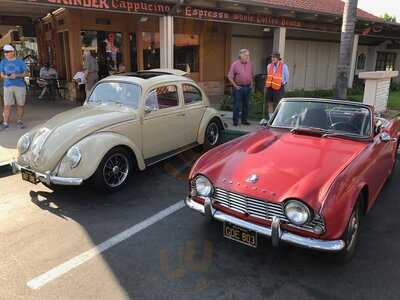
[{"x": 335, "y": 7}]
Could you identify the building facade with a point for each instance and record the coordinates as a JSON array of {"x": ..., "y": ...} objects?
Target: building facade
[{"x": 204, "y": 37}]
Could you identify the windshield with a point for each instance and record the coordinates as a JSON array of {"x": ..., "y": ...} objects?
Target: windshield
[
  {"x": 328, "y": 118},
  {"x": 126, "y": 94}
]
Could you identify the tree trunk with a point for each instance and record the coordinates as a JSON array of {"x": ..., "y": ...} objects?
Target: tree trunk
[{"x": 346, "y": 48}]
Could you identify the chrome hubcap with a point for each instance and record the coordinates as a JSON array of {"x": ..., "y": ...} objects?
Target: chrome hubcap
[
  {"x": 212, "y": 134},
  {"x": 116, "y": 170},
  {"x": 353, "y": 229}
]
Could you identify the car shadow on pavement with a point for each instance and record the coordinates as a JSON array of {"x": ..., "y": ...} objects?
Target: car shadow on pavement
[
  {"x": 186, "y": 257},
  {"x": 5, "y": 171}
]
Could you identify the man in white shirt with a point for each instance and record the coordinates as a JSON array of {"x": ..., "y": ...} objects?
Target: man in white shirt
[
  {"x": 48, "y": 77},
  {"x": 48, "y": 72},
  {"x": 80, "y": 80},
  {"x": 92, "y": 69}
]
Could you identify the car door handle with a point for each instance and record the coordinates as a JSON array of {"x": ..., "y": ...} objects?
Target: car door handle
[{"x": 181, "y": 114}]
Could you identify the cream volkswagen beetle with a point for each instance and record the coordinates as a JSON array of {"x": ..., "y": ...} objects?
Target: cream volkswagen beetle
[{"x": 128, "y": 121}]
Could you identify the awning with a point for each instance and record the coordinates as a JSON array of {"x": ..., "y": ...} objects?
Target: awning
[{"x": 234, "y": 11}]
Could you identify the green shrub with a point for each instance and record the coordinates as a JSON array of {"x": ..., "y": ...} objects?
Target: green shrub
[
  {"x": 226, "y": 103},
  {"x": 395, "y": 86},
  {"x": 257, "y": 104}
]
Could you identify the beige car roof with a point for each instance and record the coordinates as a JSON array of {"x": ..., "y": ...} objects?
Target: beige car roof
[{"x": 150, "y": 82}]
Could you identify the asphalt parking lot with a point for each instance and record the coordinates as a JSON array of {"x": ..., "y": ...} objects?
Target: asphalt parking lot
[{"x": 141, "y": 243}]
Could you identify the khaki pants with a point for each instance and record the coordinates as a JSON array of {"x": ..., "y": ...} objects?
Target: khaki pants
[{"x": 14, "y": 94}]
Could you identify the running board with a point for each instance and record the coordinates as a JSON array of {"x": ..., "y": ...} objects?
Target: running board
[{"x": 156, "y": 159}]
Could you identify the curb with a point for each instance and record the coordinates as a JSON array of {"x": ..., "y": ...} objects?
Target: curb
[{"x": 235, "y": 133}]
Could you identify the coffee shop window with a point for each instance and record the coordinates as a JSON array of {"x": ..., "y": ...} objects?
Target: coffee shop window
[
  {"x": 186, "y": 52},
  {"x": 107, "y": 47},
  {"x": 151, "y": 50},
  {"x": 361, "y": 60},
  {"x": 385, "y": 61}
]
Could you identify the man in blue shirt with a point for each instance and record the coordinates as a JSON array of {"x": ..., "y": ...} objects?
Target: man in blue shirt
[{"x": 12, "y": 71}]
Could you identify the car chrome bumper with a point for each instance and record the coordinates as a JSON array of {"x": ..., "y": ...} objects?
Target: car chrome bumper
[
  {"x": 47, "y": 177},
  {"x": 275, "y": 231}
]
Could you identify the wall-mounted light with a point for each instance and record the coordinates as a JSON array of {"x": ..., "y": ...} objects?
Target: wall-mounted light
[
  {"x": 143, "y": 19},
  {"x": 267, "y": 29}
]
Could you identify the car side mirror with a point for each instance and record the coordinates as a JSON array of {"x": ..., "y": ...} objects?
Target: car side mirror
[
  {"x": 264, "y": 122},
  {"x": 148, "y": 109},
  {"x": 378, "y": 128},
  {"x": 386, "y": 138}
]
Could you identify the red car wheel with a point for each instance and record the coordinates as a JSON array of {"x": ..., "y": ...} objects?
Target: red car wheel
[{"x": 351, "y": 234}]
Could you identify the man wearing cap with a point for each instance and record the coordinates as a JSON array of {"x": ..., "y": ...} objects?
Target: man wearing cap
[
  {"x": 277, "y": 79},
  {"x": 13, "y": 70},
  {"x": 241, "y": 77}
]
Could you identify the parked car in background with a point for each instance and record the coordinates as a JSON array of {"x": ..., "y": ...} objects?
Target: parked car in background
[
  {"x": 305, "y": 178},
  {"x": 129, "y": 121}
]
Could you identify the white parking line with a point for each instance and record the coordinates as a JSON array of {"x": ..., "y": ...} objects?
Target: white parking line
[{"x": 41, "y": 280}]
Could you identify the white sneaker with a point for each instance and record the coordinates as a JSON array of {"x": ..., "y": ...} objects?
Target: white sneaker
[{"x": 4, "y": 126}]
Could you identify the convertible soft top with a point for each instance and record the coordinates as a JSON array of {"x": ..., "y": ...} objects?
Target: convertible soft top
[{"x": 155, "y": 73}]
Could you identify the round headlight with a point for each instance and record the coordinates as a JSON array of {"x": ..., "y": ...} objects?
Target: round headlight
[
  {"x": 73, "y": 157},
  {"x": 24, "y": 143},
  {"x": 203, "y": 186},
  {"x": 297, "y": 212}
]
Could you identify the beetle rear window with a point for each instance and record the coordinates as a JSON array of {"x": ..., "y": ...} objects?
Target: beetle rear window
[{"x": 127, "y": 94}]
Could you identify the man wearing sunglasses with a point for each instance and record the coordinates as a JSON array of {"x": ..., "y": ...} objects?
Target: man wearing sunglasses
[{"x": 13, "y": 70}]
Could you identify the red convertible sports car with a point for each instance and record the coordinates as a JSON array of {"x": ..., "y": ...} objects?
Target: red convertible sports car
[{"x": 306, "y": 178}]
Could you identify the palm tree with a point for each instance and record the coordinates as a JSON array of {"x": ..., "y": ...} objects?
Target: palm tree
[{"x": 346, "y": 48}]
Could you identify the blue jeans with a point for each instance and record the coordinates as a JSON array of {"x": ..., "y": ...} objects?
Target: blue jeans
[{"x": 241, "y": 100}]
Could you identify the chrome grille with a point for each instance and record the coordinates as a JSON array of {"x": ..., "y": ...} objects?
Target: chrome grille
[{"x": 258, "y": 208}]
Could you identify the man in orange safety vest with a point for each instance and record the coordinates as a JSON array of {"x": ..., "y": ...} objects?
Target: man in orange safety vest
[{"x": 276, "y": 80}]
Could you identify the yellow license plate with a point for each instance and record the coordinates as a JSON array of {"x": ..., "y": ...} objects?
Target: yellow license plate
[{"x": 241, "y": 235}]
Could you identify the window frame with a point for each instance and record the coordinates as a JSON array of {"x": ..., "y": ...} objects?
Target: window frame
[
  {"x": 197, "y": 88},
  {"x": 389, "y": 58},
  {"x": 195, "y": 50},
  {"x": 161, "y": 110},
  {"x": 361, "y": 59},
  {"x": 116, "y": 81},
  {"x": 368, "y": 137}
]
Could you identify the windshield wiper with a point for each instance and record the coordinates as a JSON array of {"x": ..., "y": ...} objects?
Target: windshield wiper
[
  {"x": 343, "y": 135},
  {"x": 308, "y": 130}
]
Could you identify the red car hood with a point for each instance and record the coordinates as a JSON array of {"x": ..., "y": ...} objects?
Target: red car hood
[{"x": 287, "y": 165}]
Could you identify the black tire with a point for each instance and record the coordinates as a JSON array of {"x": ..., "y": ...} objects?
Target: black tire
[
  {"x": 113, "y": 172},
  {"x": 213, "y": 135},
  {"x": 351, "y": 234}
]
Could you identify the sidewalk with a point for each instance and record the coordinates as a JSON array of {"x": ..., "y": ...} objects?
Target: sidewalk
[
  {"x": 36, "y": 113},
  {"x": 227, "y": 117}
]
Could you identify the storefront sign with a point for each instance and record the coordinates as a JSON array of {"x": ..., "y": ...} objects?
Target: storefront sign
[
  {"x": 159, "y": 8},
  {"x": 109, "y": 5},
  {"x": 258, "y": 19}
]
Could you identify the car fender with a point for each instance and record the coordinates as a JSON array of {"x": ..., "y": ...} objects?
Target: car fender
[
  {"x": 342, "y": 197},
  {"x": 209, "y": 114},
  {"x": 93, "y": 149}
]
